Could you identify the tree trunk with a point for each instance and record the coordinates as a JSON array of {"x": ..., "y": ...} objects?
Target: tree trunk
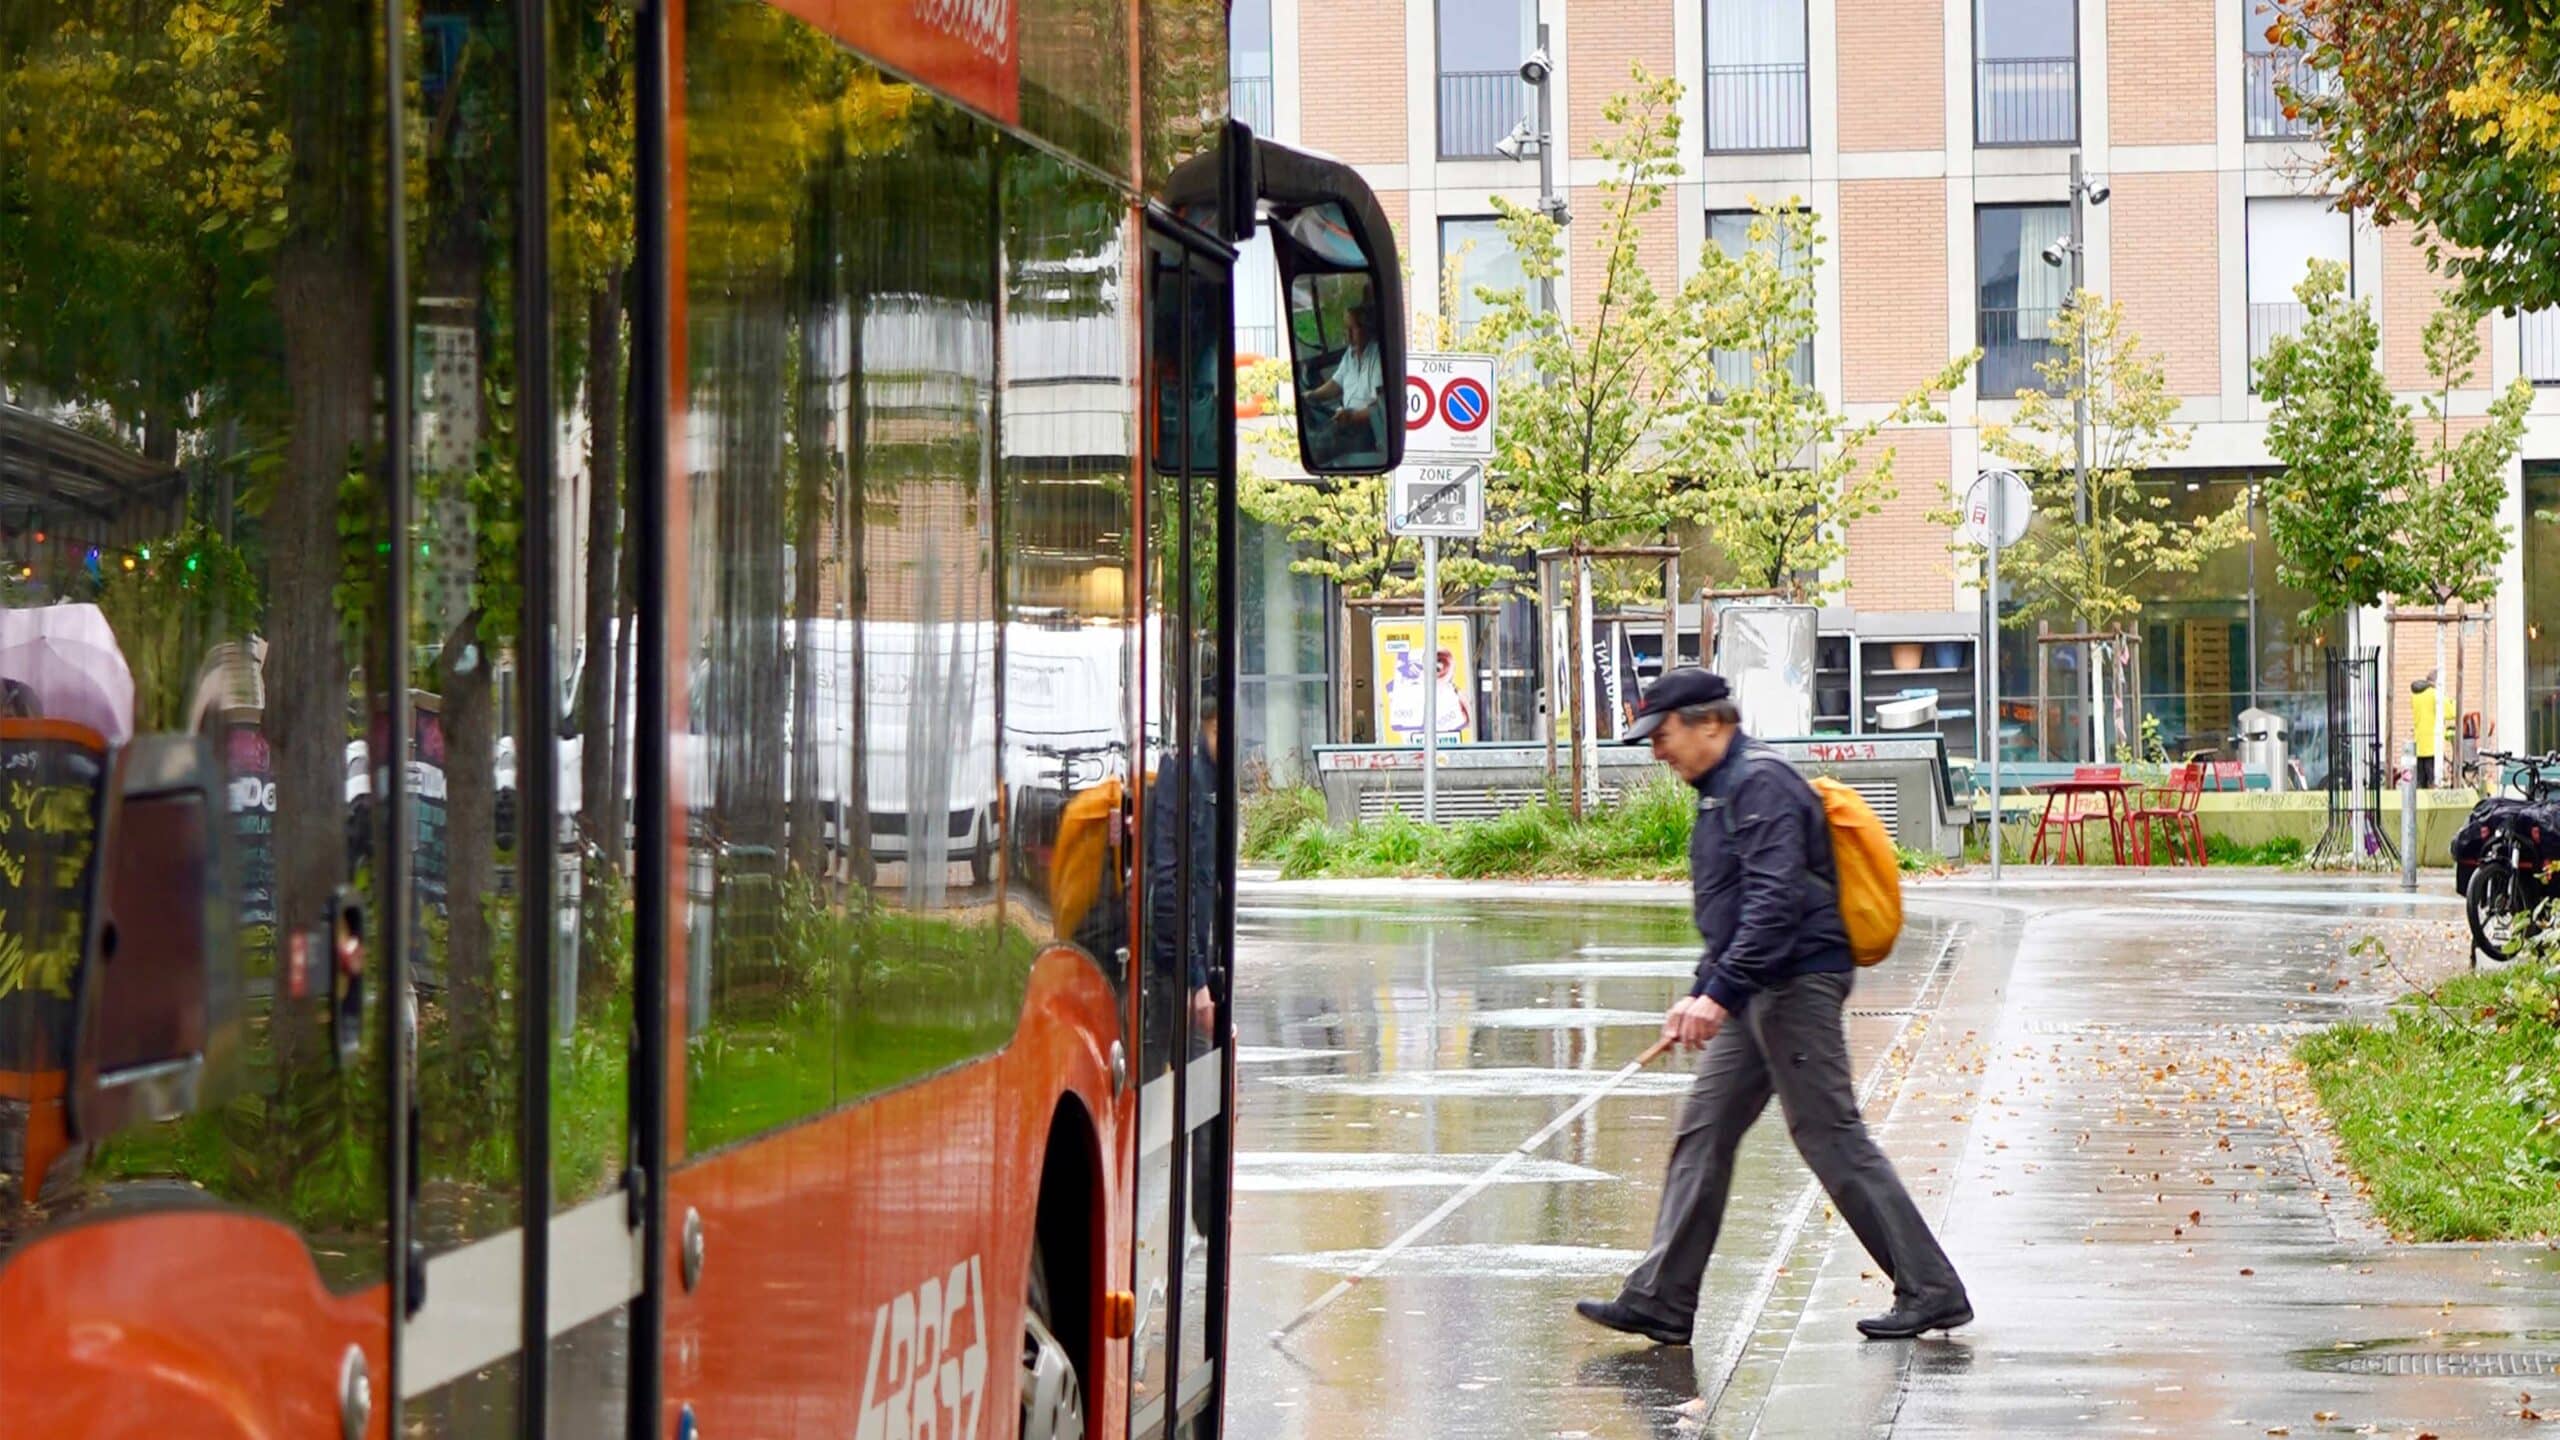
[
  {"x": 325, "y": 299},
  {"x": 747, "y": 673},
  {"x": 626, "y": 642},
  {"x": 1577, "y": 645},
  {"x": 471, "y": 835},
  {"x": 599, "y": 688},
  {"x": 2448, "y": 707},
  {"x": 810, "y": 492}
]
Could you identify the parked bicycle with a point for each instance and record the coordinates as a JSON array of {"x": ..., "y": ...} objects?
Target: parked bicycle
[{"x": 2504, "y": 856}]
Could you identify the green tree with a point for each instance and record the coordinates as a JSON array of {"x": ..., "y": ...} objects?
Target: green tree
[
  {"x": 2347, "y": 450},
  {"x": 1591, "y": 441},
  {"x": 1784, "y": 474},
  {"x": 2446, "y": 113},
  {"x": 2093, "y": 571},
  {"x": 2421, "y": 500},
  {"x": 2097, "y": 570}
]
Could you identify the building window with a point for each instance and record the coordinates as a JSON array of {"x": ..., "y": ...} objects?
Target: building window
[
  {"x": 1258, "y": 299},
  {"x": 1756, "y": 76},
  {"x": 1482, "y": 96},
  {"x": 2017, "y": 293},
  {"x": 2273, "y": 69},
  {"x": 1731, "y": 232},
  {"x": 2286, "y": 234},
  {"x": 2541, "y": 335},
  {"x": 1249, "y": 64},
  {"x": 1476, "y": 256},
  {"x": 2026, "y": 72}
]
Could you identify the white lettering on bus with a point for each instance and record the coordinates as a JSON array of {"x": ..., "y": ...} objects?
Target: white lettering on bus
[
  {"x": 919, "y": 1373},
  {"x": 985, "y": 26}
]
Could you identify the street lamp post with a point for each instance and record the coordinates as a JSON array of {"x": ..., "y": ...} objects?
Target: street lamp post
[
  {"x": 1536, "y": 72},
  {"x": 2075, "y": 251}
]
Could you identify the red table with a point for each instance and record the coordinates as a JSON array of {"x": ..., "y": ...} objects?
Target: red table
[{"x": 2118, "y": 793}]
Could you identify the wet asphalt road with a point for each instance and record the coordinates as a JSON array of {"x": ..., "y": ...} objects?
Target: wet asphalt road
[
  {"x": 2091, "y": 1103},
  {"x": 1389, "y": 1054}
]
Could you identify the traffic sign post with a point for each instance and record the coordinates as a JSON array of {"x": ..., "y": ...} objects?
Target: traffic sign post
[
  {"x": 1997, "y": 507},
  {"x": 1448, "y": 423}
]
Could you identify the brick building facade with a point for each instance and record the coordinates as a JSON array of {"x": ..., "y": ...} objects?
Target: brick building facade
[{"x": 1934, "y": 139}]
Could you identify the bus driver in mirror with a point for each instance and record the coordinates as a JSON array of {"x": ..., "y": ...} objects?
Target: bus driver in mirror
[{"x": 1354, "y": 389}]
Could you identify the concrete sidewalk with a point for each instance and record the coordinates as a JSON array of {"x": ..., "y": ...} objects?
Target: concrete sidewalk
[{"x": 2103, "y": 1120}]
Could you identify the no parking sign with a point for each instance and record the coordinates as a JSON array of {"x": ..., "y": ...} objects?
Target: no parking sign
[{"x": 1448, "y": 406}]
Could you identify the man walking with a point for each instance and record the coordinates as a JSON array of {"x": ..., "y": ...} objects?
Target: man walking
[{"x": 1767, "y": 1007}]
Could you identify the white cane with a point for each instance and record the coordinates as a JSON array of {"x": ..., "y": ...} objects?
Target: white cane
[{"x": 1474, "y": 1187}]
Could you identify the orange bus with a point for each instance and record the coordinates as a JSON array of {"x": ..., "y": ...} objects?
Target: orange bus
[{"x": 612, "y": 652}]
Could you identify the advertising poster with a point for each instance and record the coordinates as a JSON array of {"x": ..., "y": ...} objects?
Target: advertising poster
[{"x": 1405, "y": 675}]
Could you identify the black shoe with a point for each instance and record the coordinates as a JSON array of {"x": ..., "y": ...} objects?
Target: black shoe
[
  {"x": 1617, "y": 1316},
  {"x": 1909, "y": 1318}
]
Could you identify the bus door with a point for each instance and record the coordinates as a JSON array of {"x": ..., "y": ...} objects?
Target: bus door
[{"x": 1183, "y": 994}]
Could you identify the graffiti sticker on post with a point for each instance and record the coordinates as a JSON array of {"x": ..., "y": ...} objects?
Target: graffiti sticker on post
[{"x": 1460, "y": 425}]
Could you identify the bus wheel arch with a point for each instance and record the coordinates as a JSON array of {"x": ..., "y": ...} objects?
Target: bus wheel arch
[{"x": 1062, "y": 1300}]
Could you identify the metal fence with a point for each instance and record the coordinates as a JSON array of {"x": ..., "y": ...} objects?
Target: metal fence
[
  {"x": 2270, "y": 73},
  {"x": 1478, "y": 108},
  {"x": 1249, "y": 100},
  {"x": 2268, "y": 322},
  {"x": 1262, "y": 340},
  {"x": 1756, "y": 107},
  {"x": 2541, "y": 335},
  {"x": 2014, "y": 343},
  {"x": 2027, "y": 102}
]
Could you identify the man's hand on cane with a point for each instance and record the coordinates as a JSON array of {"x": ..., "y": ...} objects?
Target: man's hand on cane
[{"x": 1693, "y": 1021}]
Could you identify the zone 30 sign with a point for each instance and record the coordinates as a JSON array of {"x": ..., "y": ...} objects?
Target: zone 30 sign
[{"x": 1448, "y": 406}]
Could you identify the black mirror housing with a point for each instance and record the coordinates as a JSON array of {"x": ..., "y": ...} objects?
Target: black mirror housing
[
  {"x": 159, "y": 1029},
  {"x": 1344, "y": 288}
]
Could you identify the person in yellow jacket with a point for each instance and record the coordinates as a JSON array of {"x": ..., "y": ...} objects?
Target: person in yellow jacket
[{"x": 2426, "y": 724}]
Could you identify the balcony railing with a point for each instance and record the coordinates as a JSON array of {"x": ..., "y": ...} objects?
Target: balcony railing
[
  {"x": 1259, "y": 339},
  {"x": 1249, "y": 100},
  {"x": 2014, "y": 343},
  {"x": 1733, "y": 368},
  {"x": 2270, "y": 321},
  {"x": 1756, "y": 107},
  {"x": 2027, "y": 102},
  {"x": 2270, "y": 74},
  {"x": 1477, "y": 109},
  {"x": 2541, "y": 346}
]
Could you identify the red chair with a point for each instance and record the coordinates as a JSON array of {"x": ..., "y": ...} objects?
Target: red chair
[
  {"x": 2068, "y": 814},
  {"x": 2173, "y": 805}
]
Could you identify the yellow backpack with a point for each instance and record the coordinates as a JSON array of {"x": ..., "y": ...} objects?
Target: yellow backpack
[{"x": 1870, "y": 872}]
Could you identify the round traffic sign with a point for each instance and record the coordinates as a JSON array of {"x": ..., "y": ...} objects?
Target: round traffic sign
[
  {"x": 2017, "y": 507},
  {"x": 1464, "y": 404},
  {"x": 1418, "y": 401}
]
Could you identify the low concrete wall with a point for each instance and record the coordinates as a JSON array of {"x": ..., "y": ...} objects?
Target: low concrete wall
[
  {"x": 2254, "y": 819},
  {"x": 1905, "y": 779}
]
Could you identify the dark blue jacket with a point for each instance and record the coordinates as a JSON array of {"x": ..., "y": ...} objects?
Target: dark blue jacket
[{"x": 1764, "y": 890}]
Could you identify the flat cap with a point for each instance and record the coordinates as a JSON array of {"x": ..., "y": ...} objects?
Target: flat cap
[{"x": 1678, "y": 690}]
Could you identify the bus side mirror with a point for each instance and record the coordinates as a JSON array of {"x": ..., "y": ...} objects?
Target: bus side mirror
[
  {"x": 159, "y": 983},
  {"x": 1345, "y": 290}
]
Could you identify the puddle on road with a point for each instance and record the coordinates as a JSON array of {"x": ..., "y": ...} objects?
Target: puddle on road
[
  {"x": 1559, "y": 1018},
  {"x": 1295, "y": 1171},
  {"x": 1513, "y": 1083},
  {"x": 1488, "y": 1262}
]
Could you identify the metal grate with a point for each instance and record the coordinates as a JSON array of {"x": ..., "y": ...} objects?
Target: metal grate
[
  {"x": 1463, "y": 804},
  {"x": 1885, "y": 798},
  {"x": 2468, "y": 1363}
]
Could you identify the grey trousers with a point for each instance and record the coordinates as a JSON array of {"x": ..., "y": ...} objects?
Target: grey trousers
[{"x": 1788, "y": 1041}]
